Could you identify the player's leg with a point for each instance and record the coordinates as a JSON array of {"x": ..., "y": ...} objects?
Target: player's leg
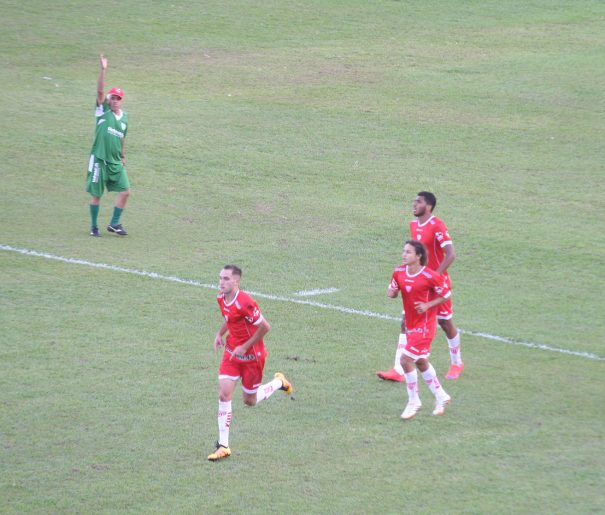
[
  {"x": 453, "y": 341},
  {"x": 429, "y": 375},
  {"x": 253, "y": 391},
  {"x": 94, "y": 207},
  {"x": 396, "y": 373},
  {"x": 94, "y": 186},
  {"x": 118, "y": 181},
  {"x": 411, "y": 383},
  {"x": 226, "y": 384}
]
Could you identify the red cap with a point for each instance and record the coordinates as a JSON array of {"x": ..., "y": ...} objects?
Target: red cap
[{"x": 118, "y": 92}]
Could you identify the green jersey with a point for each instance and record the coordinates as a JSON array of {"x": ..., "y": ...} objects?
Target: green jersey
[{"x": 109, "y": 133}]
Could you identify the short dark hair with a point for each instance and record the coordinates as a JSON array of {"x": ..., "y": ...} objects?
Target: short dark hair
[
  {"x": 235, "y": 270},
  {"x": 430, "y": 199},
  {"x": 420, "y": 250}
]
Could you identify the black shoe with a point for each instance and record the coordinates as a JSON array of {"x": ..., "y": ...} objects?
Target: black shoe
[
  {"x": 95, "y": 232},
  {"x": 118, "y": 229}
]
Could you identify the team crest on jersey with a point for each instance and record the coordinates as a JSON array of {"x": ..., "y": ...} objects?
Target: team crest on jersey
[
  {"x": 408, "y": 289},
  {"x": 123, "y": 125}
]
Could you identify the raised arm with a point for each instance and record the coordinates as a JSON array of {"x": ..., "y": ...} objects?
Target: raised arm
[{"x": 101, "y": 80}]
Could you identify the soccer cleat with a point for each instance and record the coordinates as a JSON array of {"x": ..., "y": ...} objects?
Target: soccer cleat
[
  {"x": 441, "y": 403},
  {"x": 285, "y": 384},
  {"x": 391, "y": 375},
  {"x": 220, "y": 453},
  {"x": 95, "y": 232},
  {"x": 454, "y": 371},
  {"x": 118, "y": 229},
  {"x": 411, "y": 409}
]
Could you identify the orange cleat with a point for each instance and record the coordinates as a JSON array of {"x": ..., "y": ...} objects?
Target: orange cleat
[
  {"x": 391, "y": 375},
  {"x": 220, "y": 453},
  {"x": 454, "y": 371},
  {"x": 286, "y": 385}
]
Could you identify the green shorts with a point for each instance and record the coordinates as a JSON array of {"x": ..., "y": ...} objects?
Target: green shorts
[{"x": 103, "y": 175}]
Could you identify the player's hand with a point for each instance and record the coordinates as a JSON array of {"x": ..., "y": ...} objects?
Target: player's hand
[
  {"x": 218, "y": 342},
  {"x": 103, "y": 61},
  {"x": 421, "y": 307},
  {"x": 239, "y": 351}
]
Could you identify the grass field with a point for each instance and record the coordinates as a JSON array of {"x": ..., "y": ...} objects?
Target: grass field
[{"x": 291, "y": 139}]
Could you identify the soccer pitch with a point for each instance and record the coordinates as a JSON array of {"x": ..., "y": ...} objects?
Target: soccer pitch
[{"x": 291, "y": 139}]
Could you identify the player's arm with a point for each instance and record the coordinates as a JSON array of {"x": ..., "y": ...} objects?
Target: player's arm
[
  {"x": 442, "y": 294},
  {"x": 262, "y": 329},
  {"x": 423, "y": 307},
  {"x": 101, "y": 80},
  {"x": 448, "y": 258},
  {"x": 123, "y": 153},
  {"x": 218, "y": 339}
]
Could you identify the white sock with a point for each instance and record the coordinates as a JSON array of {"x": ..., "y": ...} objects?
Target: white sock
[
  {"x": 431, "y": 380},
  {"x": 400, "y": 347},
  {"x": 224, "y": 422},
  {"x": 266, "y": 390},
  {"x": 454, "y": 345},
  {"x": 411, "y": 383}
]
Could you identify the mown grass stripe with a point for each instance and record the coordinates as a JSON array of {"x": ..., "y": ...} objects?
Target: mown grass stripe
[{"x": 321, "y": 305}]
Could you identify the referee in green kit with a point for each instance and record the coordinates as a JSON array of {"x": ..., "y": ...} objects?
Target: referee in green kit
[{"x": 106, "y": 168}]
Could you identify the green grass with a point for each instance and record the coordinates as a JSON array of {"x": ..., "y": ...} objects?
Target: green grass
[{"x": 291, "y": 139}]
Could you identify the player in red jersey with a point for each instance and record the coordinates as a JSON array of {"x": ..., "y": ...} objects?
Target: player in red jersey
[
  {"x": 422, "y": 291},
  {"x": 433, "y": 233},
  {"x": 244, "y": 354}
]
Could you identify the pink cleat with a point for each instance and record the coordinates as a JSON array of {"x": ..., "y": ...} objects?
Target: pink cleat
[
  {"x": 454, "y": 371},
  {"x": 391, "y": 375}
]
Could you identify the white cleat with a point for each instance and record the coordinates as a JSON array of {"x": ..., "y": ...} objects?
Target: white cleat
[
  {"x": 441, "y": 403},
  {"x": 411, "y": 409}
]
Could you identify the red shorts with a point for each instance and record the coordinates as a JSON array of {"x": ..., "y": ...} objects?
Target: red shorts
[
  {"x": 445, "y": 311},
  {"x": 418, "y": 346},
  {"x": 250, "y": 372}
]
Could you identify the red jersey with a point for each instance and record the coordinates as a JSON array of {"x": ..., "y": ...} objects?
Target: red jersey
[
  {"x": 423, "y": 286},
  {"x": 434, "y": 236},
  {"x": 243, "y": 316}
]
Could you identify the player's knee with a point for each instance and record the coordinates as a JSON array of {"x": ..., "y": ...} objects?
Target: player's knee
[
  {"x": 422, "y": 364},
  {"x": 250, "y": 401}
]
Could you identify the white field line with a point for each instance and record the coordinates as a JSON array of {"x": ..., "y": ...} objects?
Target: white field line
[
  {"x": 321, "y": 305},
  {"x": 317, "y": 291}
]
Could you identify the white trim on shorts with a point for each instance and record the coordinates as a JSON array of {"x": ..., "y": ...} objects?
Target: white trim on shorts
[
  {"x": 237, "y": 378},
  {"x": 415, "y": 357},
  {"x": 232, "y": 378}
]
